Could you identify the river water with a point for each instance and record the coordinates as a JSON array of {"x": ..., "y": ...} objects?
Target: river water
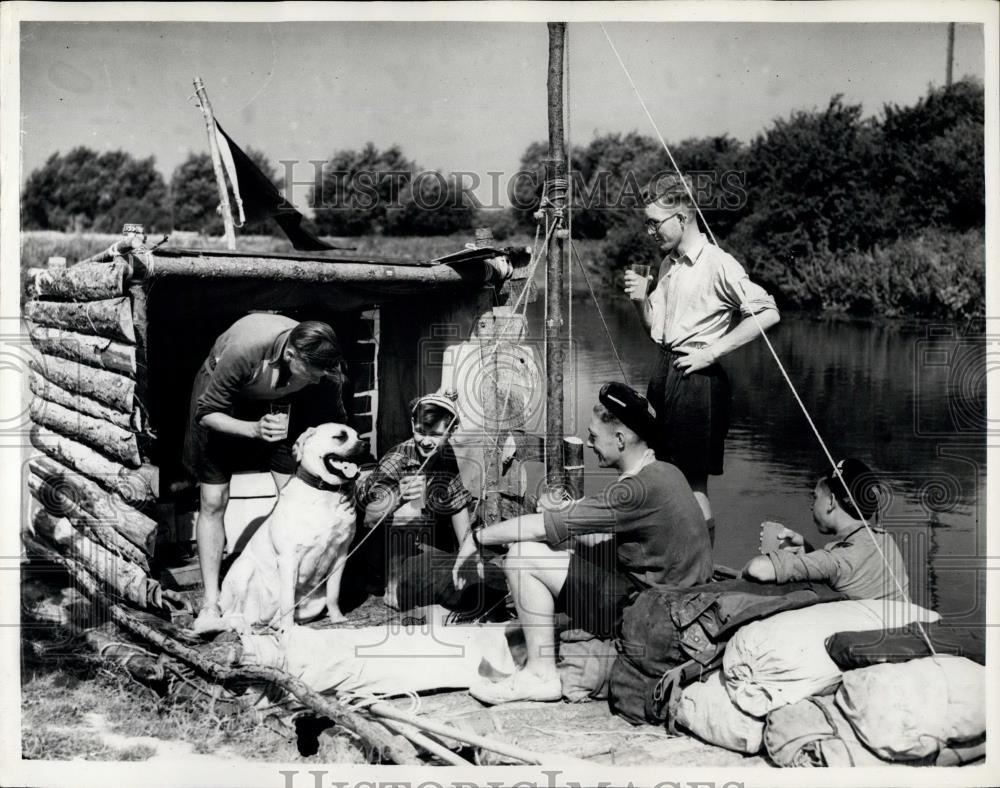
[{"x": 907, "y": 399}]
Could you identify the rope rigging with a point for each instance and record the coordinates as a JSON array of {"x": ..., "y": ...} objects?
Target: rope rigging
[
  {"x": 767, "y": 342},
  {"x": 557, "y": 196}
]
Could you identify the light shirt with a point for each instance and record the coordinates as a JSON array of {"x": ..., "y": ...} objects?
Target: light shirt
[
  {"x": 647, "y": 457},
  {"x": 851, "y": 564},
  {"x": 697, "y": 297}
]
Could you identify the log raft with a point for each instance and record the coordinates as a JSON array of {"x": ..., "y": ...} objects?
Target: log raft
[{"x": 93, "y": 482}]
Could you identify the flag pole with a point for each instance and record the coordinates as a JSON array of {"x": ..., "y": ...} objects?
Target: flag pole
[{"x": 213, "y": 148}]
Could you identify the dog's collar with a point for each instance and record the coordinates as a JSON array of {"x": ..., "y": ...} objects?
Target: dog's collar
[{"x": 314, "y": 481}]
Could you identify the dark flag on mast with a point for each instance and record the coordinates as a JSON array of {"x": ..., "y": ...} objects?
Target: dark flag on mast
[{"x": 257, "y": 198}]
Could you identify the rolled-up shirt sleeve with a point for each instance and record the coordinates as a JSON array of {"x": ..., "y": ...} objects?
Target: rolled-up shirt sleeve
[
  {"x": 736, "y": 289},
  {"x": 587, "y": 516},
  {"x": 819, "y": 565},
  {"x": 231, "y": 372}
]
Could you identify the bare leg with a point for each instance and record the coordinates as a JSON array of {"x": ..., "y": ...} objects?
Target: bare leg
[
  {"x": 333, "y": 592},
  {"x": 536, "y": 574},
  {"x": 211, "y": 536},
  {"x": 699, "y": 485}
]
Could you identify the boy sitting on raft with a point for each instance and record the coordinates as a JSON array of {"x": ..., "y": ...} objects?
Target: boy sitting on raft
[
  {"x": 416, "y": 498},
  {"x": 851, "y": 563}
]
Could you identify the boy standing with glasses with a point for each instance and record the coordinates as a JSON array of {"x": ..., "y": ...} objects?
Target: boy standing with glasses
[{"x": 701, "y": 308}]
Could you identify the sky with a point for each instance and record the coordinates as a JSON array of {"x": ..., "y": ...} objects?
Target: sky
[{"x": 456, "y": 96}]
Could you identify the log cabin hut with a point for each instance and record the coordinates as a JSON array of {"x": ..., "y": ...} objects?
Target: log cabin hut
[{"x": 119, "y": 337}]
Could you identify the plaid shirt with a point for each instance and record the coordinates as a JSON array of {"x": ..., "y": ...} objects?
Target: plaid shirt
[{"x": 446, "y": 494}]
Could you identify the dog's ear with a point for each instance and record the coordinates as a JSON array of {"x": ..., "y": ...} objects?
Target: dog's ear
[{"x": 300, "y": 441}]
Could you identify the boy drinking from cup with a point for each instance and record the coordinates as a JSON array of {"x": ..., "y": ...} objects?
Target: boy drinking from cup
[{"x": 416, "y": 498}]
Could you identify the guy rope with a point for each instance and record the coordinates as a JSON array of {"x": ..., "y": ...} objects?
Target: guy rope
[{"x": 767, "y": 342}]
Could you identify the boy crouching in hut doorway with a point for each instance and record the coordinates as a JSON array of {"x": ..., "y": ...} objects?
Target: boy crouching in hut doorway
[
  {"x": 259, "y": 361},
  {"x": 420, "y": 510}
]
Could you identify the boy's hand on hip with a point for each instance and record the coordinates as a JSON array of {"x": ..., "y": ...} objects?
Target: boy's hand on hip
[{"x": 694, "y": 360}]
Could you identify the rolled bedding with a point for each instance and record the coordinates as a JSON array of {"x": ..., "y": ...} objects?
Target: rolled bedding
[{"x": 783, "y": 659}]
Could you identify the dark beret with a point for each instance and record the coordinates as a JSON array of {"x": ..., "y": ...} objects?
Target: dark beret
[
  {"x": 630, "y": 408},
  {"x": 863, "y": 486}
]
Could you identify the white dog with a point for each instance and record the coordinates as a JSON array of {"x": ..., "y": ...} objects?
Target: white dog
[{"x": 291, "y": 569}]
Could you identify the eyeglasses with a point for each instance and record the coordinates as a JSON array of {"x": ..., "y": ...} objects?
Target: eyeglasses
[{"x": 653, "y": 226}]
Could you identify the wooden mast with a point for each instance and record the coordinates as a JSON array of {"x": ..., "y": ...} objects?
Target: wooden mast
[
  {"x": 213, "y": 148},
  {"x": 951, "y": 54},
  {"x": 554, "y": 199}
]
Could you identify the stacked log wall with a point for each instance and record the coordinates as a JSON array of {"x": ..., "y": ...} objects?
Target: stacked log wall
[{"x": 91, "y": 480}]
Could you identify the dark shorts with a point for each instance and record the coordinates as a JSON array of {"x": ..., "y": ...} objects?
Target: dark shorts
[
  {"x": 426, "y": 579},
  {"x": 213, "y": 457},
  {"x": 219, "y": 456},
  {"x": 692, "y": 414},
  {"x": 596, "y": 590}
]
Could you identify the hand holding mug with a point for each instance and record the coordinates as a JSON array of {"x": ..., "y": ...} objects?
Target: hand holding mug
[
  {"x": 637, "y": 281},
  {"x": 271, "y": 428},
  {"x": 411, "y": 488}
]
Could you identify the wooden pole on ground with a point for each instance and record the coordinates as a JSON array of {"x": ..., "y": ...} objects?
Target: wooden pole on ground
[
  {"x": 213, "y": 148},
  {"x": 555, "y": 197},
  {"x": 395, "y": 748}
]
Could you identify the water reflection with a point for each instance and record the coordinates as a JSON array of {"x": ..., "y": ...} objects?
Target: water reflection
[{"x": 909, "y": 400}]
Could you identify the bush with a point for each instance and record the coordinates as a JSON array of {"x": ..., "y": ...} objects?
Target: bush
[
  {"x": 194, "y": 196},
  {"x": 85, "y": 191},
  {"x": 936, "y": 274},
  {"x": 430, "y": 204},
  {"x": 357, "y": 189},
  {"x": 501, "y": 222}
]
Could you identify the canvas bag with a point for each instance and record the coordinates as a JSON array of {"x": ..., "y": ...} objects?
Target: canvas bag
[
  {"x": 783, "y": 659},
  {"x": 664, "y": 627},
  {"x": 672, "y": 636},
  {"x": 911, "y": 710},
  {"x": 585, "y": 664},
  {"x": 706, "y": 710},
  {"x": 814, "y": 732}
]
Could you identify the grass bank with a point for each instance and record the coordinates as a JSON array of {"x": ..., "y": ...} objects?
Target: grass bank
[
  {"x": 75, "y": 705},
  {"x": 939, "y": 274}
]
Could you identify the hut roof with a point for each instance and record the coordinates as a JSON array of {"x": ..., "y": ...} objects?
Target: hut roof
[{"x": 467, "y": 267}]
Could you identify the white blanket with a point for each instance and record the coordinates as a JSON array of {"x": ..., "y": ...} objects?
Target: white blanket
[{"x": 389, "y": 659}]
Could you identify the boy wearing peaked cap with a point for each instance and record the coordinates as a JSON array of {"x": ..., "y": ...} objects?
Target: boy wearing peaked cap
[
  {"x": 855, "y": 561},
  {"x": 586, "y": 557}
]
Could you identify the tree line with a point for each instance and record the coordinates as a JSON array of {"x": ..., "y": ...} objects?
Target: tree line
[
  {"x": 815, "y": 191},
  {"x": 359, "y": 193}
]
